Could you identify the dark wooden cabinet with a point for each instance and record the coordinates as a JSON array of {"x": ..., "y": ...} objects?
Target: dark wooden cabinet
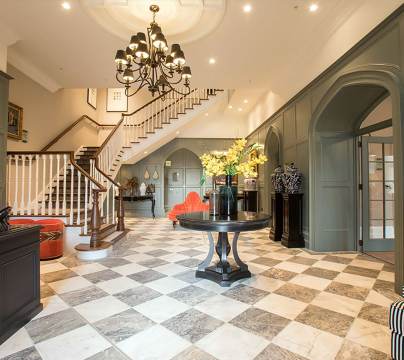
[
  {"x": 19, "y": 279},
  {"x": 292, "y": 235},
  {"x": 277, "y": 217}
]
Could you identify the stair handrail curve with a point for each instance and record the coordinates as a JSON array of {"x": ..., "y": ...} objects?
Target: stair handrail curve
[
  {"x": 72, "y": 126},
  {"x": 104, "y": 158}
]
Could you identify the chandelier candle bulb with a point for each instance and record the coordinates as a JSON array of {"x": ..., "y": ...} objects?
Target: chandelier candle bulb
[{"x": 147, "y": 62}]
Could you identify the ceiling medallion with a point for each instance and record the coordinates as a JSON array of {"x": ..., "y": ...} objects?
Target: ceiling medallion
[{"x": 147, "y": 62}]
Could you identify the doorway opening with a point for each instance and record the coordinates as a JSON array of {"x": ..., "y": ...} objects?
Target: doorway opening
[
  {"x": 272, "y": 150},
  {"x": 182, "y": 174},
  {"x": 376, "y": 183}
]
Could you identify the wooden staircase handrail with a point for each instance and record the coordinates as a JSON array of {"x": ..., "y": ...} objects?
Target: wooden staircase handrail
[
  {"x": 71, "y": 126},
  {"x": 100, "y": 187}
]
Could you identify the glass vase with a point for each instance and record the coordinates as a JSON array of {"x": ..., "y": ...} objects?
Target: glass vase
[{"x": 228, "y": 198}]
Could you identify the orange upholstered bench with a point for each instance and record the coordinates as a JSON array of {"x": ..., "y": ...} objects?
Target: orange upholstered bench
[{"x": 192, "y": 203}]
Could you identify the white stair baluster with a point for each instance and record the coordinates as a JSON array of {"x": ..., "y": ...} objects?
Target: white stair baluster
[
  {"x": 57, "y": 184},
  {"x": 50, "y": 210},
  {"x": 71, "y": 193},
  {"x": 15, "y": 206},
  {"x": 64, "y": 184},
  {"x": 108, "y": 193},
  {"x": 23, "y": 185},
  {"x": 29, "y": 207},
  {"x": 78, "y": 197},
  {"x": 36, "y": 184},
  {"x": 43, "y": 207}
]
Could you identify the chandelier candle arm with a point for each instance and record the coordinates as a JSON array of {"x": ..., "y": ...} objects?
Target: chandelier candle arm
[{"x": 147, "y": 55}]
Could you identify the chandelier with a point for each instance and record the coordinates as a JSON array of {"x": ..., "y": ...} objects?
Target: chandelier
[{"x": 147, "y": 62}]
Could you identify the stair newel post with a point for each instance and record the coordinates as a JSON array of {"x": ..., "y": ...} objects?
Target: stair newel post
[
  {"x": 120, "y": 211},
  {"x": 95, "y": 219}
]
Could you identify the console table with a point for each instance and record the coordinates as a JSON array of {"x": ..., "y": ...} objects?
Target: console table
[
  {"x": 19, "y": 278},
  {"x": 148, "y": 197},
  {"x": 223, "y": 272}
]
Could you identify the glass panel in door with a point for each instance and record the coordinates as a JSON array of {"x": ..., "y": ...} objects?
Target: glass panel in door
[{"x": 378, "y": 194}]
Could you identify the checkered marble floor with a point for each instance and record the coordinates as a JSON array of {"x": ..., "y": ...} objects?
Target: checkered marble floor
[{"x": 144, "y": 302}]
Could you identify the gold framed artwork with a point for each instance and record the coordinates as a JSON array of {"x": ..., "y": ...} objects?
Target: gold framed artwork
[
  {"x": 92, "y": 97},
  {"x": 15, "y": 118},
  {"x": 117, "y": 101}
]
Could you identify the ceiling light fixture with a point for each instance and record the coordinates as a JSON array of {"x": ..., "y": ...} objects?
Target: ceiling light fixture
[
  {"x": 66, "y": 5},
  {"x": 313, "y": 7},
  {"x": 230, "y": 107},
  {"x": 206, "y": 114},
  {"x": 212, "y": 61},
  {"x": 155, "y": 66},
  {"x": 247, "y": 8},
  {"x": 240, "y": 109},
  {"x": 245, "y": 101}
]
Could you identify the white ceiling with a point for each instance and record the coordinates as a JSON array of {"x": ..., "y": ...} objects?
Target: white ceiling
[{"x": 271, "y": 48}]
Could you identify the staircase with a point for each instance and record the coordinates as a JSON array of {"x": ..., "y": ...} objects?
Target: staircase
[{"x": 80, "y": 186}]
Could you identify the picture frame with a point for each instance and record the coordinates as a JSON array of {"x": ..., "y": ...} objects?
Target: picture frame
[
  {"x": 92, "y": 97},
  {"x": 15, "y": 117},
  {"x": 117, "y": 101}
]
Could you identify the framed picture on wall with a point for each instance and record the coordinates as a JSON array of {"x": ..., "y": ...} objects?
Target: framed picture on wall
[
  {"x": 92, "y": 97},
  {"x": 117, "y": 101},
  {"x": 15, "y": 118}
]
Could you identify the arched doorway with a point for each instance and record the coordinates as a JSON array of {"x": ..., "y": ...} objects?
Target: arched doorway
[
  {"x": 272, "y": 150},
  {"x": 334, "y": 164},
  {"x": 182, "y": 174}
]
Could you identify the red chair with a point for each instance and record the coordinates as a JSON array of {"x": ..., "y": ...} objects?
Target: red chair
[
  {"x": 52, "y": 236},
  {"x": 192, "y": 203}
]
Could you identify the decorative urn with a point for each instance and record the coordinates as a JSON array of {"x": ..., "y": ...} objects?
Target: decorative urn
[
  {"x": 292, "y": 179},
  {"x": 277, "y": 180}
]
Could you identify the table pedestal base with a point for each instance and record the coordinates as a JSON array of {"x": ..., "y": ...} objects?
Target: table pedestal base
[{"x": 223, "y": 272}]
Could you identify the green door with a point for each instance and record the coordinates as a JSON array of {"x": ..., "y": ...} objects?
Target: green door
[{"x": 378, "y": 193}]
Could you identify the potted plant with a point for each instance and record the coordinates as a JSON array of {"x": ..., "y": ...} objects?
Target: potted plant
[{"x": 236, "y": 160}]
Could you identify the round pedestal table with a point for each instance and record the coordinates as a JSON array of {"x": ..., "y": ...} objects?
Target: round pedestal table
[{"x": 223, "y": 272}]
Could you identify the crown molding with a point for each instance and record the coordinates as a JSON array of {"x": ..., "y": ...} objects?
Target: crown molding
[{"x": 26, "y": 67}]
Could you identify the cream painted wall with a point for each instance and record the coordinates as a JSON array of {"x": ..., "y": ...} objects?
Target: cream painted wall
[
  {"x": 46, "y": 114},
  {"x": 3, "y": 58},
  {"x": 215, "y": 125}
]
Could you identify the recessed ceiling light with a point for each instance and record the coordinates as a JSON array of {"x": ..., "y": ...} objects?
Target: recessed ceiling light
[
  {"x": 313, "y": 7},
  {"x": 206, "y": 114},
  {"x": 66, "y": 5},
  {"x": 145, "y": 152},
  {"x": 245, "y": 101},
  {"x": 247, "y": 8},
  {"x": 177, "y": 132},
  {"x": 240, "y": 109},
  {"x": 230, "y": 107},
  {"x": 212, "y": 61}
]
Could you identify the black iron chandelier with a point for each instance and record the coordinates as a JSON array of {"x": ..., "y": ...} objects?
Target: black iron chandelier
[{"x": 147, "y": 62}]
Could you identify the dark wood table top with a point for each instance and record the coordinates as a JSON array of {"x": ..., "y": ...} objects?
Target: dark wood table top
[{"x": 242, "y": 221}]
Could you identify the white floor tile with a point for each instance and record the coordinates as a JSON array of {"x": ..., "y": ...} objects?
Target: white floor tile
[
  {"x": 281, "y": 305},
  {"x": 222, "y": 308},
  {"x": 47, "y": 268},
  {"x": 88, "y": 268},
  {"x": 77, "y": 344},
  {"x": 166, "y": 285},
  {"x": 312, "y": 282},
  {"x": 308, "y": 341},
  {"x": 171, "y": 269},
  {"x": 155, "y": 343},
  {"x": 228, "y": 342},
  {"x": 19, "y": 341},
  {"x": 70, "y": 284},
  {"x": 355, "y": 280},
  {"x": 338, "y": 303},
  {"x": 114, "y": 286},
  {"x": 102, "y": 308},
  {"x": 161, "y": 308},
  {"x": 51, "y": 305}
]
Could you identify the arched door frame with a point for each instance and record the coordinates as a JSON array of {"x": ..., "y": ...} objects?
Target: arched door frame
[
  {"x": 388, "y": 77},
  {"x": 273, "y": 130},
  {"x": 163, "y": 184}
]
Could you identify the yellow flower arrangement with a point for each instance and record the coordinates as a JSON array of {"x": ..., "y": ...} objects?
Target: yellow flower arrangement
[{"x": 237, "y": 160}]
